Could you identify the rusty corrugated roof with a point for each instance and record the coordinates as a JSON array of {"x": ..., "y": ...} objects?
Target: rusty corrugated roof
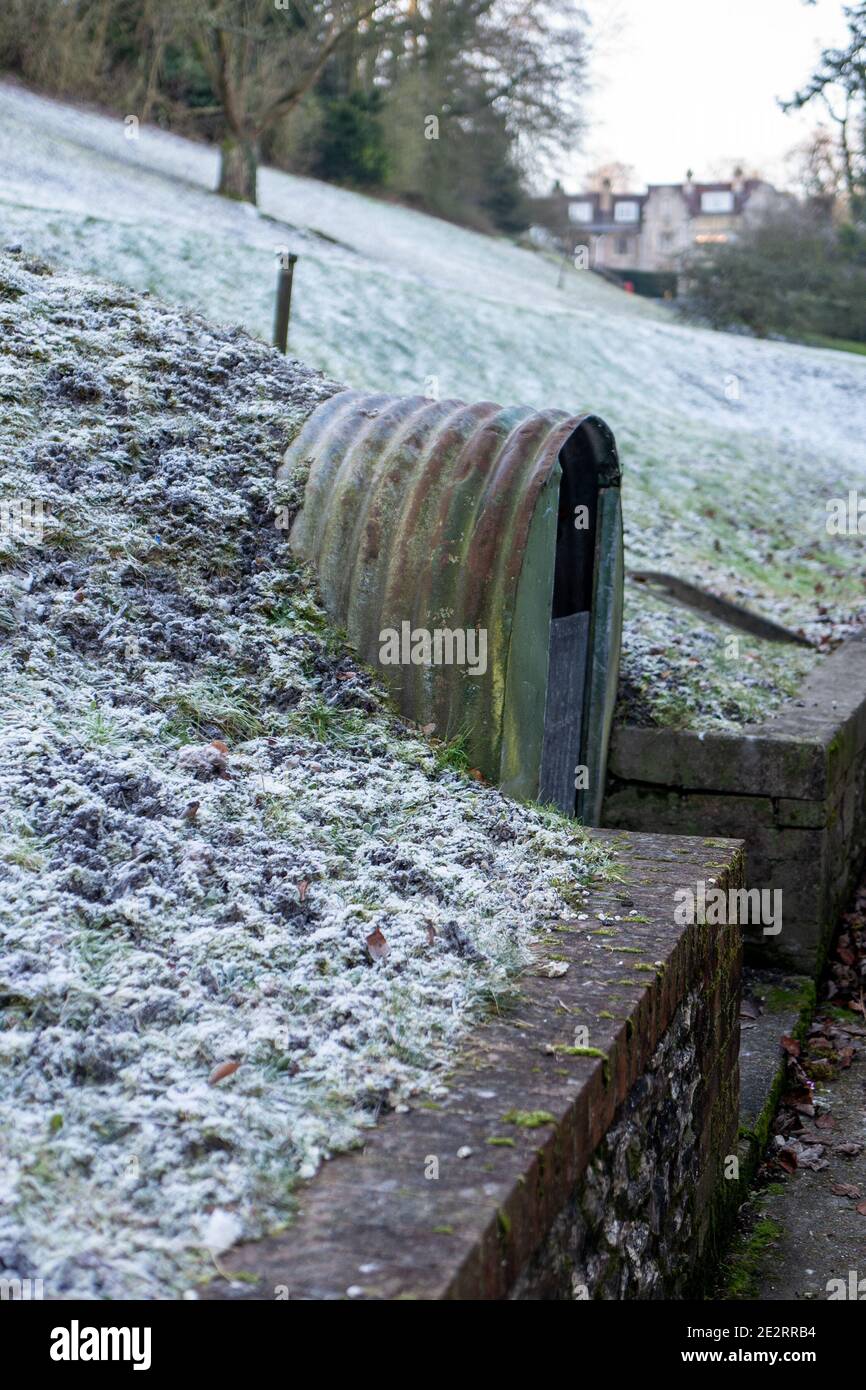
[{"x": 419, "y": 511}]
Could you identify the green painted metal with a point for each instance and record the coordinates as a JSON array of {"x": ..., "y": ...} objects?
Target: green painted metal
[{"x": 426, "y": 516}]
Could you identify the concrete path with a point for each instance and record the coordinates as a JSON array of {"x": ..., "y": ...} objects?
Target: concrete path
[{"x": 821, "y": 1234}]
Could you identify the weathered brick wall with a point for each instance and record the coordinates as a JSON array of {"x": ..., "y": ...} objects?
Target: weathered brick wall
[
  {"x": 557, "y": 1165},
  {"x": 646, "y": 1219},
  {"x": 793, "y": 789}
]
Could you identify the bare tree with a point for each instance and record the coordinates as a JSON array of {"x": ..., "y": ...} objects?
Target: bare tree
[
  {"x": 618, "y": 177},
  {"x": 816, "y": 168},
  {"x": 839, "y": 84},
  {"x": 262, "y": 57}
]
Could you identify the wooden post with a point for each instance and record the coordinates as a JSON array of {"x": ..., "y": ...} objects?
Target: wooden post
[{"x": 284, "y": 299}]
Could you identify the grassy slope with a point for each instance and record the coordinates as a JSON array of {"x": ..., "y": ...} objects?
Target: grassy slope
[
  {"x": 161, "y": 914},
  {"x": 731, "y": 447}
]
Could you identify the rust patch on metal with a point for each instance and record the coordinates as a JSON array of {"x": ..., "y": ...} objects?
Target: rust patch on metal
[{"x": 418, "y": 512}]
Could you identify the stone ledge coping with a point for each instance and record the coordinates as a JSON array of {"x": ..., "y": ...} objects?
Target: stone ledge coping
[
  {"x": 799, "y": 754},
  {"x": 372, "y": 1223}
]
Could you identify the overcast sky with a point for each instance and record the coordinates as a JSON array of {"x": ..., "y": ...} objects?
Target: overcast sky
[{"x": 681, "y": 84}]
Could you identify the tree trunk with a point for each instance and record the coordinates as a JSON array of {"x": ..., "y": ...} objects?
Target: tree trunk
[{"x": 238, "y": 168}]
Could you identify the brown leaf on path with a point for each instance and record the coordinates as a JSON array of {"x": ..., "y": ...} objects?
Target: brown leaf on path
[
  {"x": 788, "y": 1159},
  {"x": 846, "y": 1057},
  {"x": 791, "y": 1046},
  {"x": 861, "y": 1208},
  {"x": 845, "y": 1189},
  {"x": 377, "y": 945},
  {"x": 825, "y": 1122},
  {"x": 222, "y": 1071},
  {"x": 849, "y": 1149},
  {"x": 431, "y": 934},
  {"x": 800, "y": 1100},
  {"x": 218, "y": 743}
]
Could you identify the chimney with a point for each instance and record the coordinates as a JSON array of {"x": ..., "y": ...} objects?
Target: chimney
[{"x": 605, "y": 200}]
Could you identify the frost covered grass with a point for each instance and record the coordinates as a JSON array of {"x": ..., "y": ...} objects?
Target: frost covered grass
[
  {"x": 243, "y": 908},
  {"x": 731, "y": 447}
]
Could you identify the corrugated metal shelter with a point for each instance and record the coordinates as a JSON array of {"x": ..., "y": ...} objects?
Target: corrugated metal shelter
[{"x": 473, "y": 554}]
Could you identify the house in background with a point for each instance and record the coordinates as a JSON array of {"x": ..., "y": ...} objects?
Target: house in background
[{"x": 650, "y": 232}]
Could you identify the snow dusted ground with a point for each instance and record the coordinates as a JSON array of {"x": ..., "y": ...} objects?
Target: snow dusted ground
[
  {"x": 206, "y": 809},
  {"x": 731, "y": 447}
]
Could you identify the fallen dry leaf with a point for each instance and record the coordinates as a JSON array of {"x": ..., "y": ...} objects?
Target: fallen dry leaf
[
  {"x": 302, "y": 888},
  {"x": 861, "y": 1208},
  {"x": 811, "y": 1136},
  {"x": 222, "y": 1071},
  {"x": 431, "y": 934},
  {"x": 218, "y": 743},
  {"x": 377, "y": 945},
  {"x": 801, "y": 1100},
  {"x": 791, "y": 1046},
  {"x": 845, "y": 1189}
]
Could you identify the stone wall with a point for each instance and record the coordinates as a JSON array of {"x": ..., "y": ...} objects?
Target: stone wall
[
  {"x": 794, "y": 789},
  {"x": 553, "y": 1169},
  {"x": 628, "y": 1230}
]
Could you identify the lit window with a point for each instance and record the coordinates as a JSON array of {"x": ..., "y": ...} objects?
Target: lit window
[
  {"x": 580, "y": 212},
  {"x": 626, "y": 212},
  {"x": 717, "y": 201}
]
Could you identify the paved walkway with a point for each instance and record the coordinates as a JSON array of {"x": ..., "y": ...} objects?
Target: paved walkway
[
  {"x": 822, "y": 1235},
  {"x": 803, "y": 1234}
]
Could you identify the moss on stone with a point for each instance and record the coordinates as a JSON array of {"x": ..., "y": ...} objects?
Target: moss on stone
[
  {"x": 745, "y": 1264},
  {"x": 529, "y": 1119},
  {"x": 779, "y": 1001}
]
